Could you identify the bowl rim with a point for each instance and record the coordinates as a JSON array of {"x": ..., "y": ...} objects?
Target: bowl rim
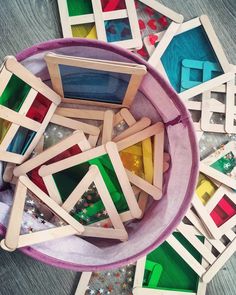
[{"x": 183, "y": 118}]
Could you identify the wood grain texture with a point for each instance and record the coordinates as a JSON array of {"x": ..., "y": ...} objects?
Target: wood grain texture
[{"x": 24, "y": 23}]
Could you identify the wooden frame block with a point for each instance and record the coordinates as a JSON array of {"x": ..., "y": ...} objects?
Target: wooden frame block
[
  {"x": 215, "y": 262},
  {"x": 95, "y": 176},
  {"x": 138, "y": 126},
  {"x": 76, "y": 139},
  {"x": 205, "y": 211},
  {"x": 99, "y": 17},
  {"x": 110, "y": 148},
  {"x": 203, "y": 21},
  {"x": 91, "y": 130},
  {"x": 13, "y": 237},
  {"x": 230, "y": 107},
  {"x": 211, "y": 105},
  {"x": 124, "y": 115},
  {"x": 22, "y": 132},
  {"x": 221, "y": 159},
  {"x": 88, "y": 114},
  {"x": 156, "y": 130},
  {"x": 162, "y": 9},
  {"x": 140, "y": 290},
  {"x": 135, "y": 71}
]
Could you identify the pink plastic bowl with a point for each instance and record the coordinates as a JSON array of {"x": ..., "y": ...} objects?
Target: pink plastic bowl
[{"x": 157, "y": 100}]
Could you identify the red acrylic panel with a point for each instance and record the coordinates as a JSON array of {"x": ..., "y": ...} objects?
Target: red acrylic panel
[
  {"x": 111, "y": 5},
  {"x": 224, "y": 210},
  {"x": 33, "y": 174},
  {"x": 39, "y": 108}
]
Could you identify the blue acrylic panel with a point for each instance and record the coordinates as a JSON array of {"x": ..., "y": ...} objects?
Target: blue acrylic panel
[
  {"x": 96, "y": 85},
  {"x": 21, "y": 141},
  {"x": 194, "y": 45},
  {"x": 118, "y": 30}
]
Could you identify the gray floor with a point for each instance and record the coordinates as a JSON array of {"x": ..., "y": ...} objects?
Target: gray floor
[{"x": 26, "y": 22}]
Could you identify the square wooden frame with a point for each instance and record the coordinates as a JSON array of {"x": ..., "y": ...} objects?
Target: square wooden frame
[
  {"x": 92, "y": 131},
  {"x": 162, "y": 9},
  {"x": 230, "y": 106},
  {"x": 107, "y": 117},
  {"x": 215, "y": 156},
  {"x": 19, "y": 119},
  {"x": 155, "y": 59},
  {"x": 99, "y": 17},
  {"x": 156, "y": 130},
  {"x": 204, "y": 211},
  {"x": 140, "y": 290},
  {"x": 13, "y": 237},
  {"x": 133, "y": 125},
  {"x": 94, "y": 175},
  {"x": 136, "y": 72},
  {"x": 77, "y": 138},
  {"x": 110, "y": 148},
  {"x": 214, "y": 263}
]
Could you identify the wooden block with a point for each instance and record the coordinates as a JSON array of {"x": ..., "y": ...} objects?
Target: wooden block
[
  {"x": 22, "y": 126},
  {"x": 135, "y": 71}
]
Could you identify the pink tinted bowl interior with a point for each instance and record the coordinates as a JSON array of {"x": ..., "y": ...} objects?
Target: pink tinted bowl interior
[{"x": 157, "y": 100}]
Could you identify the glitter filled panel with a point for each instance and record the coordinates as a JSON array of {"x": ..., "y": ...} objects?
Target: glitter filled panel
[
  {"x": 226, "y": 165},
  {"x": 96, "y": 85},
  {"x": 116, "y": 281}
]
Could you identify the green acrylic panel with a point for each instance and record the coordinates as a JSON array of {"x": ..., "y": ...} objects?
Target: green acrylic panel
[
  {"x": 177, "y": 275},
  {"x": 21, "y": 141},
  {"x": 225, "y": 164},
  {"x": 4, "y": 127},
  {"x": 67, "y": 180},
  {"x": 14, "y": 94},
  {"x": 79, "y": 7}
]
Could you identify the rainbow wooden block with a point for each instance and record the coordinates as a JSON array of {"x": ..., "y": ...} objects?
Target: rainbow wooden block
[{"x": 26, "y": 107}]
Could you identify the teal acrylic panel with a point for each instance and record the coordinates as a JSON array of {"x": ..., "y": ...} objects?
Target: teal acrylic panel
[
  {"x": 194, "y": 45},
  {"x": 21, "y": 141}
]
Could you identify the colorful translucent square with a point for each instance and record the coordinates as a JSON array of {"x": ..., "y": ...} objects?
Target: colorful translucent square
[
  {"x": 225, "y": 164},
  {"x": 111, "y": 5},
  {"x": 132, "y": 159},
  {"x": 72, "y": 176},
  {"x": 118, "y": 30},
  {"x": 224, "y": 210},
  {"x": 84, "y": 31},
  {"x": 79, "y": 7},
  {"x": 14, "y": 94},
  {"x": 183, "y": 46},
  {"x": 96, "y": 85},
  {"x": 177, "y": 275},
  {"x": 39, "y": 108},
  {"x": 34, "y": 175},
  {"x": 21, "y": 141},
  {"x": 4, "y": 127}
]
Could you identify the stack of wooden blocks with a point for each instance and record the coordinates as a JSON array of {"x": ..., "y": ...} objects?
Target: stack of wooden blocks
[{"x": 112, "y": 162}]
